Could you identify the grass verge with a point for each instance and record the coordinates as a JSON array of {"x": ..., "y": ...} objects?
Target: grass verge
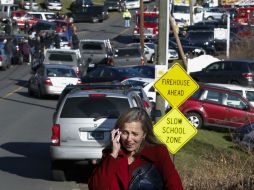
[{"x": 211, "y": 161}]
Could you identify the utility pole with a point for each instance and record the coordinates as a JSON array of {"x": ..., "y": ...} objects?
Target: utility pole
[
  {"x": 162, "y": 47},
  {"x": 31, "y": 5},
  {"x": 228, "y": 35},
  {"x": 191, "y": 12},
  {"x": 141, "y": 22}
]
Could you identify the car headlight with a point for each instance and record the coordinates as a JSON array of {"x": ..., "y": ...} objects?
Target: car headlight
[{"x": 206, "y": 43}]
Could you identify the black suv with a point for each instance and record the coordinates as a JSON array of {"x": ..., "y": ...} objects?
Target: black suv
[
  {"x": 239, "y": 72},
  {"x": 92, "y": 14}
]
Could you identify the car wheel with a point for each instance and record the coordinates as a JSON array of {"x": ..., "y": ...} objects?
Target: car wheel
[
  {"x": 152, "y": 58},
  {"x": 58, "y": 173},
  {"x": 29, "y": 90},
  {"x": 21, "y": 60},
  {"x": 40, "y": 95},
  {"x": 195, "y": 119}
]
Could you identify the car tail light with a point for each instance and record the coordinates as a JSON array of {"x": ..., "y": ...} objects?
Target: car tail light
[
  {"x": 248, "y": 76},
  {"x": 69, "y": 44},
  {"x": 17, "y": 48},
  {"x": 97, "y": 95},
  {"x": 55, "y": 138},
  {"x": 48, "y": 82},
  {"x": 146, "y": 104},
  {"x": 1, "y": 58}
]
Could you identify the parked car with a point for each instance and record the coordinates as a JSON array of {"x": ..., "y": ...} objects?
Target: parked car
[
  {"x": 48, "y": 16},
  {"x": 189, "y": 50},
  {"x": 149, "y": 51},
  {"x": 93, "y": 14},
  {"x": 51, "y": 79},
  {"x": 217, "y": 106},
  {"x": 214, "y": 13},
  {"x": 82, "y": 124},
  {"x": 64, "y": 56},
  {"x": 28, "y": 6},
  {"x": 101, "y": 74},
  {"x": 246, "y": 92},
  {"x": 78, "y": 4},
  {"x": 43, "y": 25},
  {"x": 238, "y": 72},
  {"x": 96, "y": 52},
  {"x": 54, "y": 5},
  {"x": 115, "y": 5},
  {"x": 5, "y": 61},
  {"x": 145, "y": 83},
  {"x": 204, "y": 39},
  {"x": 128, "y": 56},
  {"x": 132, "y": 4}
]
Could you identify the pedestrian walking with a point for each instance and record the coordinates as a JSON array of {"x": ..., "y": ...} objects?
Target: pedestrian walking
[
  {"x": 135, "y": 158},
  {"x": 75, "y": 39},
  {"x": 127, "y": 18}
]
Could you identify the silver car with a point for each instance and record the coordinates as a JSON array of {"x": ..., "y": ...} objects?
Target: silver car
[
  {"x": 51, "y": 79},
  {"x": 82, "y": 123}
]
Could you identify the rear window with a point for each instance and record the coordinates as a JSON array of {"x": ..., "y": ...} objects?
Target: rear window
[
  {"x": 60, "y": 57},
  {"x": 128, "y": 52},
  {"x": 93, "y": 107},
  {"x": 92, "y": 46},
  {"x": 60, "y": 72}
]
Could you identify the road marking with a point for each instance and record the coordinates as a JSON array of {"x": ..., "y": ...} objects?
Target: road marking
[{"x": 10, "y": 93}]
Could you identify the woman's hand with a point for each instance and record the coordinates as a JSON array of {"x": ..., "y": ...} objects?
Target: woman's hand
[{"x": 115, "y": 139}]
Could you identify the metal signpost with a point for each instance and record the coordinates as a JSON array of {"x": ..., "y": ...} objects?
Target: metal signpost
[{"x": 174, "y": 129}]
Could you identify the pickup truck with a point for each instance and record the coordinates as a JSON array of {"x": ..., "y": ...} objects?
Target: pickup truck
[{"x": 96, "y": 52}]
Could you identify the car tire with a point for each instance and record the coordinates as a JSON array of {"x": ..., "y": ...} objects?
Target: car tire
[
  {"x": 40, "y": 95},
  {"x": 58, "y": 173},
  {"x": 195, "y": 119},
  {"x": 29, "y": 90},
  {"x": 152, "y": 58}
]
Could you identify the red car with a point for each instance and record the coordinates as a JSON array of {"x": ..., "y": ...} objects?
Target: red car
[
  {"x": 26, "y": 18},
  {"x": 217, "y": 106}
]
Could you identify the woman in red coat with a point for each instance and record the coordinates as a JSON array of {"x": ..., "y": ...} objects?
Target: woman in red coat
[{"x": 135, "y": 160}]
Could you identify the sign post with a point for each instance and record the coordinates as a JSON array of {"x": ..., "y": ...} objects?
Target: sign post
[{"x": 174, "y": 129}]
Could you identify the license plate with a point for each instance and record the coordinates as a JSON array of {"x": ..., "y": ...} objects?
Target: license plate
[
  {"x": 91, "y": 65},
  {"x": 95, "y": 135}
]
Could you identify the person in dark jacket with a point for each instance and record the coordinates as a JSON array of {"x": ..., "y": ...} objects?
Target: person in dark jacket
[
  {"x": 74, "y": 39},
  {"x": 57, "y": 41},
  {"x": 135, "y": 160}
]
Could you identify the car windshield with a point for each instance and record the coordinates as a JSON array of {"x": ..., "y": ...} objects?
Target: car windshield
[{"x": 99, "y": 107}]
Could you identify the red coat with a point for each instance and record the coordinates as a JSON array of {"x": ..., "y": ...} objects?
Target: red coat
[{"x": 116, "y": 174}]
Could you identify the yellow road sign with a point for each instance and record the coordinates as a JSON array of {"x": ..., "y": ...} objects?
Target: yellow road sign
[
  {"x": 175, "y": 130},
  {"x": 176, "y": 85}
]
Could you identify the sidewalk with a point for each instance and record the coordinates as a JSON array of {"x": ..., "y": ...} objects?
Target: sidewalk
[{"x": 83, "y": 186}]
